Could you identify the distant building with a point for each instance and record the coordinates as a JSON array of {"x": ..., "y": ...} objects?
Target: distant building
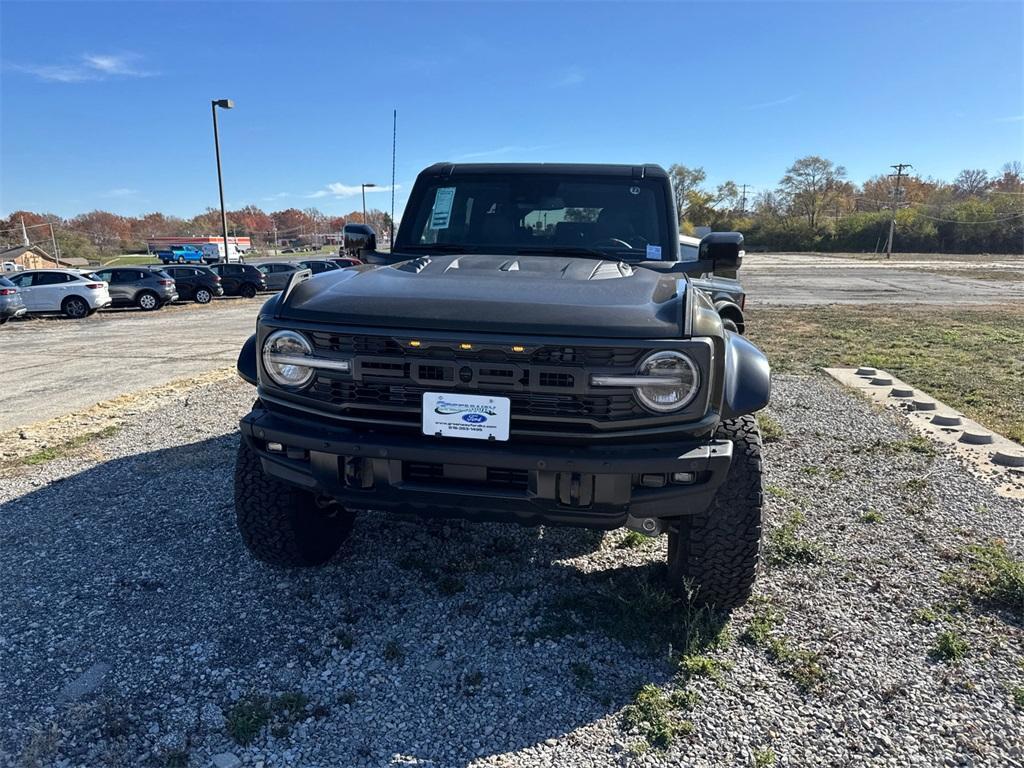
[{"x": 34, "y": 257}]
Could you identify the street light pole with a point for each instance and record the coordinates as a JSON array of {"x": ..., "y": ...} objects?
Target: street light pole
[
  {"x": 223, "y": 104},
  {"x": 364, "y": 186}
]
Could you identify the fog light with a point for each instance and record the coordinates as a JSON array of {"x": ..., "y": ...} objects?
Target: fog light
[
  {"x": 275, "y": 447},
  {"x": 684, "y": 478},
  {"x": 652, "y": 481}
]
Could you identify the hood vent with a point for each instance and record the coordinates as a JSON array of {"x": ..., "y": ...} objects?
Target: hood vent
[
  {"x": 415, "y": 265},
  {"x": 608, "y": 270}
]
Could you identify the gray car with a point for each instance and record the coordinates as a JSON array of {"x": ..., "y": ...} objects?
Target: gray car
[
  {"x": 147, "y": 288},
  {"x": 11, "y": 303},
  {"x": 277, "y": 273}
]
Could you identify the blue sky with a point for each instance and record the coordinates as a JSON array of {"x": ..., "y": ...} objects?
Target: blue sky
[{"x": 107, "y": 105}]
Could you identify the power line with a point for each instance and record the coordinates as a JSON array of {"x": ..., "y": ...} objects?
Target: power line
[{"x": 895, "y": 203}]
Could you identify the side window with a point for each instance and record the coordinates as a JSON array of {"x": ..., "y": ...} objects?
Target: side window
[
  {"x": 50, "y": 278},
  {"x": 22, "y": 281},
  {"x": 104, "y": 275},
  {"x": 234, "y": 269}
]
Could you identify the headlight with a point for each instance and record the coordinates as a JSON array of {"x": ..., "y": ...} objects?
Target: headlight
[
  {"x": 284, "y": 354},
  {"x": 678, "y": 381}
]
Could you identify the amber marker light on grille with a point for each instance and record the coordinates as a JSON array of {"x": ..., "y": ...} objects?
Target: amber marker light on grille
[
  {"x": 464, "y": 345},
  {"x": 414, "y": 343},
  {"x": 518, "y": 348}
]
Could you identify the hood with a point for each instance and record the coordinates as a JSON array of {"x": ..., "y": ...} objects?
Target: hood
[{"x": 535, "y": 295}]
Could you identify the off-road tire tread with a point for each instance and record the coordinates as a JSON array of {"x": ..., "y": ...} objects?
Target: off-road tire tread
[
  {"x": 717, "y": 553},
  {"x": 279, "y": 523}
]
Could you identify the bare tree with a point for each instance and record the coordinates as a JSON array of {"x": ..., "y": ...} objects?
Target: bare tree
[
  {"x": 971, "y": 181},
  {"x": 811, "y": 183}
]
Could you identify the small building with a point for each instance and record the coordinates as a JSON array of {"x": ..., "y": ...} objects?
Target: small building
[{"x": 34, "y": 257}]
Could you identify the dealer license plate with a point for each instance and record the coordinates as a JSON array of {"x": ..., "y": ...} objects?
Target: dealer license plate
[{"x": 478, "y": 417}]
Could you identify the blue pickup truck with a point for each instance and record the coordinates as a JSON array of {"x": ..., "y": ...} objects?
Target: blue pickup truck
[{"x": 182, "y": 254}]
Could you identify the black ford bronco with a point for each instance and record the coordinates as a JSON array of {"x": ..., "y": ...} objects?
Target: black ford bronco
[{"x": 533, "y": 352}]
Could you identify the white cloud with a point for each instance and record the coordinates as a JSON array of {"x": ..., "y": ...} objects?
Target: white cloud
[
  {"x": 1010, "y": 119},
  {"x": 337, "y": 189},
  {"x": 570, "y": 77},
  {"x": 120, "y": 192},
  {"x": 88, "y": 67},
  {"x": 510, "y": 149},
  {"x": 775, "y": 102}
]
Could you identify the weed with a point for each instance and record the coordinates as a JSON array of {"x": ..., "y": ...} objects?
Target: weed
[
  {"x": 348, "y": 698},
  {"x": 176, "y": 758},
  {"x": 702, "y": 666},
  {"x": 925, "y": 615},
  {"x": 393, "y": 652},
  {"x": 474, "y": 679},
  {"x": 811, "y": 470},
  {"x": 771, "y": 430},
  {"x": 871, "y": 516},
  {"x": 836, "y": 474},
  {"x": 779, "y": 492},
  {"x": 582, "y": 674},
  {"x": 1017, "y": 694},
  {"x": 994, "y": 575},
  {"x": 651, "y": 714},
  {"x": 344, "y": 639},
  {"x": 787, "y": 547},
  {"x": 801, "y": 666},
  {"x": 633, "y": 540},
  {"x": 683, "y": 698},
  {"x": 764, "y": 757},
  {"x": 760, "y": 627},
  {"x": 949, "y": 646},
  {"x": 246, "y": 718},
  {"x": 917, "y": 444},
  {"x": 51, "y": 452}
]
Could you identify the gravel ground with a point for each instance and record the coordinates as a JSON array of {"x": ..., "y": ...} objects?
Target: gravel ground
[{"x": 136, "y": 630}]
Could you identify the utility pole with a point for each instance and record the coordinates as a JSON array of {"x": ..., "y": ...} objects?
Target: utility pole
[
  {"x": 56, "y": 249},
  {"x": 743, "y": 200},
  {"x": 394, "y": 146},
  {"x": 895, "y": 204}
]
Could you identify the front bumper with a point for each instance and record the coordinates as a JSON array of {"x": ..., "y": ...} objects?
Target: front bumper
[{"x": 591, "y": 486}]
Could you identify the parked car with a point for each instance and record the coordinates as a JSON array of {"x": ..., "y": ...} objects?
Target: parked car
[
  {"x": 317, "y": 266},
  {"x": 240, "y": 279},
  {"x": 10, "y": 266},
  {"x": 72, "y": 293},
  {"x": 345, "y": 261},
  {"x": 357, "y": 239},
  {"x": 182, "y": 254},
  {"x": 198, "y": 284},
  {"x": 147, "y": 288},
  {"x": 500, "y": 370},
  {"x": 725, "y": 290},
  {"x": 11, "y": 302},
  {"x": 277, "y": 273}
]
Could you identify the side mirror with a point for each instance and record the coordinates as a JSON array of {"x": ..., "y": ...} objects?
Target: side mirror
[
  {"x": 723, "y": 249},
  {"x": 371, "y": 243}
]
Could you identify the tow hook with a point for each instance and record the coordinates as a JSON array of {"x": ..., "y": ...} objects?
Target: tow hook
[{"x": 648, "y": 526}]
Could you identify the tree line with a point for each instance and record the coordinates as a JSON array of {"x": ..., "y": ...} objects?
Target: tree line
[
  {"x": 815, "y": 207},
  {"x": 101, "y": 233}
]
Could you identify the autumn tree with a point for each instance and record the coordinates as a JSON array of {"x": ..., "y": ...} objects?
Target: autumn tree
[
  {"x": 971, "y": 182},
  {"x": 811, "y": 185},
  {"x": 685, "y": 182}
]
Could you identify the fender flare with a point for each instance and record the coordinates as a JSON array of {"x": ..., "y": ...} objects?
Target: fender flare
[
  {"x": 731, "y": 308},
  {"x": 246, "y": 364},
  {"x": 748, "y": 378}
]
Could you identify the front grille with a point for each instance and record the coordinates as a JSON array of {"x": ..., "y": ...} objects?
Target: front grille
[
  {"x": 547, "y": 386},
  {"x": 426, "y": 473}
]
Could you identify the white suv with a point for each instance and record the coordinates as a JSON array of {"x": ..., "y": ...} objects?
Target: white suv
[{"x": 61, "y": 290}]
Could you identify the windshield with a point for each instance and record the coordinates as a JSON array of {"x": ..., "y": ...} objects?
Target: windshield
[{"x": 619, "y": 217}]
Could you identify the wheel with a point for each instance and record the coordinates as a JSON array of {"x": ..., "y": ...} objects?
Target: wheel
[
  {"x": 147, "y": 301},
  {"x": 248, "y": 290},
  {"x": 713, "y": 556},
  {"x": 730, "y": 325},
  {"x": 75, "y": 307},
  {"x": 281, "y": 524},
  {"x": 181, "y": 259},
  {"x": 4, "y": 320},
  {"x": 203, "y": 296}
]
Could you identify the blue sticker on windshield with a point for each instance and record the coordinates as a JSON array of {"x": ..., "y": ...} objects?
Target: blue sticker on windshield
[{"x": 654, "y": 252}]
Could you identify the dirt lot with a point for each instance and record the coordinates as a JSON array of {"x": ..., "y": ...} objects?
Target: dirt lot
[{"x": 886, "y": 627}]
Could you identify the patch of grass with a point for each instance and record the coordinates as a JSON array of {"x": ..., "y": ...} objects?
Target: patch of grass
[
  {"x": 1017, "y": 696},
  {"x": 871, "y": 516},
  {"x": 764, "y": 620},
  {"x": 52, "y": 452},
  {"x": 176, "y": 758},
  {"x": 801, "y": 666},
  {"x": 393, "y": 652},
  {"x": 917, "y": 444},
  {"x": 811, "y": 470},
  {"x": 652, "y": 714},
  {"x": 949, "y": 646},
  {"x": 926, "y": 346},
  {"x": 764, "y": 757},
  {"x": 787, "y": 547},
  {"x": 702, "y": 666},
  {"x": 779, "y": 492},
  {"x": 925, "y": 615},
  {"x": 771, "y": 430},
  {"x": 994, "y": 576},
  {"x": 582, "y": 674},
  {"x": 246, "y": 718},
  {"x": 633, "y": 540}
]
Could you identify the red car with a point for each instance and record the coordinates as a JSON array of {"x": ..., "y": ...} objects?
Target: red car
[{"x": 346, "y": 261}]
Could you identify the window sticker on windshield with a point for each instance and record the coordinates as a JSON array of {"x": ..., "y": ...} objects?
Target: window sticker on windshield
[
  {"x": 653, "y": 251},
  {"x": 442, "y": 211}
]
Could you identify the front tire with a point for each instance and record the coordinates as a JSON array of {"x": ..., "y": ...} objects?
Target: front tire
[
  {"x": 248, "y": 291},
  {"x": 75, "y": 307},
  {"x": 713, "y": 556},
  {"x": 203, "y": 296},
  {"x": 281, "y": 524},
  {"x": 147, "y": 301}
]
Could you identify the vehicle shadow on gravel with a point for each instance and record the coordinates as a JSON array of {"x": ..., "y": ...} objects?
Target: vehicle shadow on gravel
[{"x": 444, "y": 641}]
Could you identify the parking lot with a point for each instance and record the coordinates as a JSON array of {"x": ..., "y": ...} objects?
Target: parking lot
[{"x": 138, "y": 630}]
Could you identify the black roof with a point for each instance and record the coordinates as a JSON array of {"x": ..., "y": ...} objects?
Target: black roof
[{"x": 564, "y": 169}]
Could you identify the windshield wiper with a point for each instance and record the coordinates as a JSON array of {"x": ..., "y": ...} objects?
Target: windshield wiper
[
  {"x": 436, "y": 247},
  {"x": 571, "y": 250}
]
